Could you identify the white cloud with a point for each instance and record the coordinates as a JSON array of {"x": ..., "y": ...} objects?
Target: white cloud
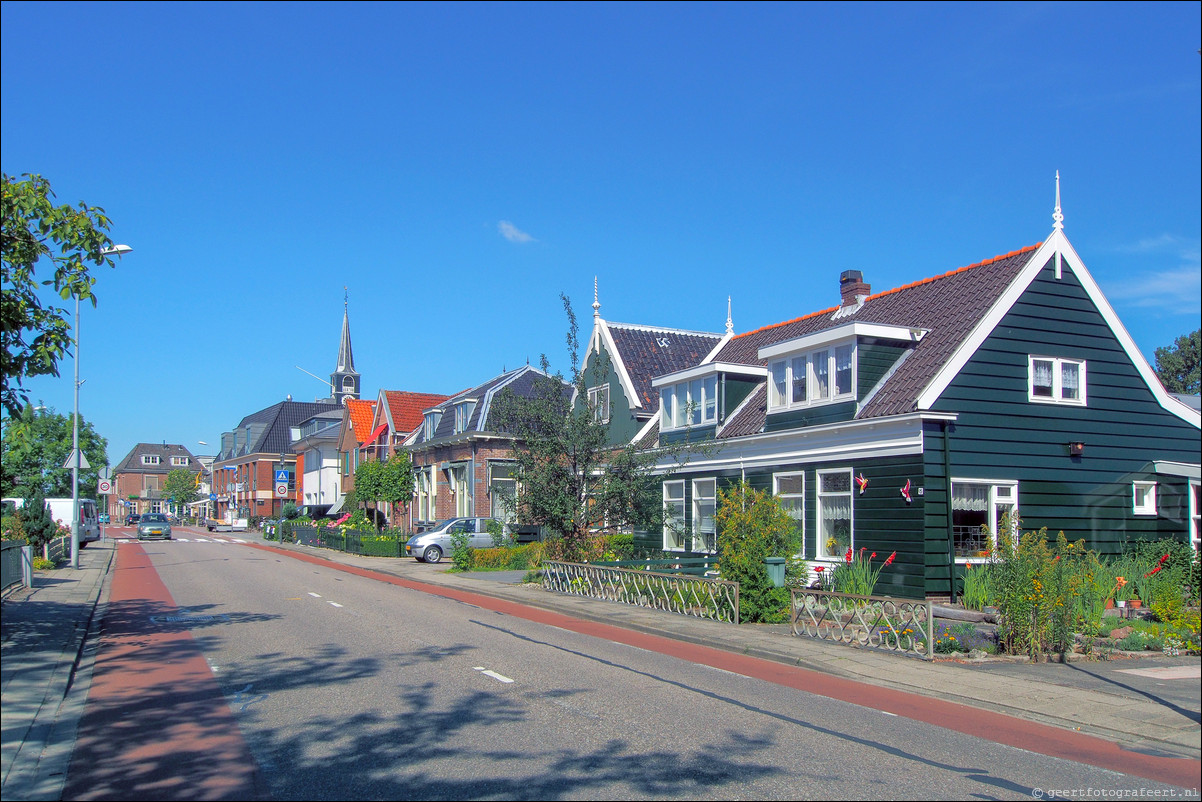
[
  {"x": 1176, "y": 291},
  {"x": 512, "y": 233}
]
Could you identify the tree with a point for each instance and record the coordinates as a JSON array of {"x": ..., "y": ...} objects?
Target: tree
[
  {"x": 37, "y": 522},
  {"x": 388, "y": 481},
  {"x": 570, "y": 481},
  {"x": 35, "y": 446},
  {"x": 180, "y": 487},
  {"x": 1177, "y": 365},
  {"x": 752, "y": 526},
  {"x": 36, "y": 337}
]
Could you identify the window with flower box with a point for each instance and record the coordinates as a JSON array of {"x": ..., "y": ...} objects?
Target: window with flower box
[{"x": 835, "y": 514}]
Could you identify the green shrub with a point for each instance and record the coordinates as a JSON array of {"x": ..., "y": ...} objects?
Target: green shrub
[
  {"x": 42, "y": 564},
  {"x": 462, "y": 554},
  {"x": 752, "y": 526},
  {"x": 976, "y": 592},
  {"x": 619, "y": 547}
]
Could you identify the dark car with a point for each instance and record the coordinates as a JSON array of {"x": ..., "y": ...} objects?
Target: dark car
[
  {"x": 154, "y": 524},
  {"x": 132, "y": 519}
]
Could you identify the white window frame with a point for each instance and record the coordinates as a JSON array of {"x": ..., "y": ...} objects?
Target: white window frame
[
  {"x": 179, "y": 461},
  {"x": 431, "y": 424},
  {"x": 1143, "y": 498},
  {"x": 797, "y": 513},
  {"x": 1003, "y": 496},
  {"x": 674, "y": 538},
  {"x": 820, "y": 497},
  {"x": 782, "y": 370},
  {"x": 150, "y": 459},
  {"x": 463, "y": 415},
  {"x": 702, "y": 494},
  {"x": 503, "y": 491},
  {"x": 598, "y": 402},
  {"x": 1195, "y": 514},
  {"x": 681, "y": 410},
  {"x": 461, "y": 488},
  {"x": 1057, "y": 396}
]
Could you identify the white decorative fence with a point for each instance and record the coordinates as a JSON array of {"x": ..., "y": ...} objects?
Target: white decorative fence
[
  {"x": 877, "y": 622},
  {"x": 716, "y": 599}
]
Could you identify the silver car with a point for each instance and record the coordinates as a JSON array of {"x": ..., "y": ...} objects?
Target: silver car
[
  {"x": 431, "y": 546},
  {"x": 154, "y": 524}
]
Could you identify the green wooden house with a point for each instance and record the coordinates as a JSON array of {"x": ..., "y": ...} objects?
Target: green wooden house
[{"x": 906, "y": 420}]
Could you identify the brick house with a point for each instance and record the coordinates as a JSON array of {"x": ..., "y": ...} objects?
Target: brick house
[{"x": 139, "y": 478}]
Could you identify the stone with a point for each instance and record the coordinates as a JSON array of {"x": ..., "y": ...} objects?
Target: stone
[{"x": 1119, "y": 633}]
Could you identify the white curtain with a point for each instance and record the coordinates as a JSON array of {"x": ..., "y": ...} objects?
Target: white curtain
[{"x": 970, "y": 498}]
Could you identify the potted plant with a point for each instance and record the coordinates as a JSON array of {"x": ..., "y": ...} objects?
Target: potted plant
[{"x": 1123, "y": 592}]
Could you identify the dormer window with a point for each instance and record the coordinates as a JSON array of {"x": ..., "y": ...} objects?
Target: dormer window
[
  {"x": 821, "y": 376},
  {"x": 463, "y": 414},
  {"x": 150, "y": 459},
  {"x": 179, "y": 461},
  {"x": 690, "y": 403},
  {"x": 1055, "y": 380},
  {"x": 431, "y": 424}
]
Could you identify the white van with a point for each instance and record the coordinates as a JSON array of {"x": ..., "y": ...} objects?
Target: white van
[{"x": 60, "y": 510}]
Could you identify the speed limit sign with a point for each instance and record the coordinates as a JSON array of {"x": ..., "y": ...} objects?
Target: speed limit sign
[
  {"x": 281, "y": 490},
  {"x": 104, "y": 487}
]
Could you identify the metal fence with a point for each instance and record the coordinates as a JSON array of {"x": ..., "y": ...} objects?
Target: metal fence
[
  {"x": 10, "y": 564},
  {"x": 716, "y": 599},
  {"x": 353, "y": 541},
  {"x": 877, "y": 622}
]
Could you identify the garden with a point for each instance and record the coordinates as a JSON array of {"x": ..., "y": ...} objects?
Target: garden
[{"x": 1055, "y": 597}]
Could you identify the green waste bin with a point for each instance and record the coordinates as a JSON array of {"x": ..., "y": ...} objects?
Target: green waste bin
[{"x": 776, "y": 570}]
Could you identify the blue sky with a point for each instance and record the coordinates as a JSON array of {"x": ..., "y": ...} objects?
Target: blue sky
[{"x": 458, "y": 166}]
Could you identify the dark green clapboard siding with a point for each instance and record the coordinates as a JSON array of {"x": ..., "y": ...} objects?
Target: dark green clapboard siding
[
  {"x": 882, "y": 521},
  {"x": 623, "y": 425},
  {"x": 734, "y": 392},
  {"x": 810, "y": 416},
  {"x": 873, "y": 360},
  {"x": 1000, "y": 435},
  {"x": 695, "y": 434}
]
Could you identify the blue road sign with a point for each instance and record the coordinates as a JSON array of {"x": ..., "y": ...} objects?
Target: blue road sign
[
  {"x": 212, "y": 497},
  {"x": 281, "y": 476}
]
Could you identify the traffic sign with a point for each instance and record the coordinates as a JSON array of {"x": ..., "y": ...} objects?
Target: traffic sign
[
  {"x": 106, "y": 472},
  {"x": 76, "y": 454},
  {"x": 212, "y": 497},
  {"x": 281, "y": 489},
  {"x": 104, "y": 487},
  {"x": 281, "y": 476}
]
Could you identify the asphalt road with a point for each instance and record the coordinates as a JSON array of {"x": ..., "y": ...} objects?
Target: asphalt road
[{"x": 295, "y": 681}]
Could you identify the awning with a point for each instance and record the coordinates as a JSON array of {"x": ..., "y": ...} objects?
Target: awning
[{"x": 376, "y": 433}]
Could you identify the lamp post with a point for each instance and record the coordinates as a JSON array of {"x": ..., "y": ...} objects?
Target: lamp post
[{"x": 118, "y": 251}]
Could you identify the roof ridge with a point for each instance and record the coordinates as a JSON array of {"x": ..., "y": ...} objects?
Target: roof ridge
[
  {"x": 897, "y": 289},
  {"x": 646, "y": 327}
]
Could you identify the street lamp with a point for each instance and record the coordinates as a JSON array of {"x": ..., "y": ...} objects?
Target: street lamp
[{"x": 118, "y": 251}]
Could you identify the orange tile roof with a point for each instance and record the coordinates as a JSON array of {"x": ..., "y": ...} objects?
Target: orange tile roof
[
  {"x": 407, "y": 408},
  {"x": 361, "y": 414}
]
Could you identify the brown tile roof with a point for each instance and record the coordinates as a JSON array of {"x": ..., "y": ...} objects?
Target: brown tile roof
[
  {"x": 647, "y": 352},
  {"x": 949, "y": 306}
]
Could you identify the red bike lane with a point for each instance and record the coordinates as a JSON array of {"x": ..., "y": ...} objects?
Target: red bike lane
[{"x": 156, "y": 724}]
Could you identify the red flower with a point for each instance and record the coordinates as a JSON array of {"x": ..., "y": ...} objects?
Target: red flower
[
  {"x": 820, "y": 568},
  {"x": 890, "y": 559},
  {"x": 1163, "y": 560},
  {"x": 847, "y": 556},
  {"x": 872, "y": 556},
  {"x": 1057, "y": 558},
  {"x": 1153, "y": 571}
]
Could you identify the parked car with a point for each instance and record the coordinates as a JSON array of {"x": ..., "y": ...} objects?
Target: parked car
[
  {"x": 104, "y": 517},
  {"x": 132, "y": 519},
  {"x": 154, "y": 524},
  {"x": 432, "y": 545}
]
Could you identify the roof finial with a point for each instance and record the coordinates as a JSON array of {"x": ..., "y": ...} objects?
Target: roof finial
[
  {"x": 1058, "y": 216},
  {"x": 345, "y": 296},
  {"x": 596, "y": 303},
  {"x": 730, "y": 323}
]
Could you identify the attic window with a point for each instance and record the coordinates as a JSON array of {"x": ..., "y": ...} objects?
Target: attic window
[
  {"x": 463, "y": 414},
  {"x": 178, "y": 461},
  {"x": 150, "y": 459},
  {"x": 818, "y": 377},
  {"x": 1056, "y": 380}
]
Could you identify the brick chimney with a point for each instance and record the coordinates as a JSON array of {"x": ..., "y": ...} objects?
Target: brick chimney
[{"x": 852, "y": 287}]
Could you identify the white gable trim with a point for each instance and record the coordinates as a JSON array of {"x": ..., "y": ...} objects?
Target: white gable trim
[
  {"x": 1056, "y": 245},
  {"x": 615, "y": 359},
  {"x": 721, "y": 344}
]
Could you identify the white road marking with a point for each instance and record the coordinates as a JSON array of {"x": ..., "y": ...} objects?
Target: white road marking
[
  {"x": 335, "y": 604},
  {"x": 315, "y": 595},
  {"x": 1165, "y": 672},
  {"x": 493, "y": 674}
]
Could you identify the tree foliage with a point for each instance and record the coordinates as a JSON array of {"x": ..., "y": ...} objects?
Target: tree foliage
[
  {"x": 752, "y": 526},
  {"x": 70, "y": 239},
  {"x": 570, "y": 480},
  {"x": 36, "y": 520},
  {"x": 387, "y": 481},
  {"x": 37, "y": 443},
  {"x": 1177, "y": 365},
  {"x": 180, "y": 487}
]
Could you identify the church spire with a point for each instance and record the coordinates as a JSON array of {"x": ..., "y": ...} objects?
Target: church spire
[{"x": 344, "y": 381}]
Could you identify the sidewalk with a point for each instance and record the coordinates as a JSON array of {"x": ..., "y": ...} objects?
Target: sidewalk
[
  {"x": 45, "y": 655},
  {"x": 43, "y": 634}
]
